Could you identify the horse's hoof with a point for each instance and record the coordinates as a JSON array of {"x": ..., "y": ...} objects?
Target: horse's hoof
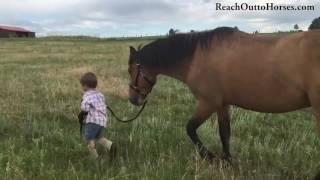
[
  {"x": 227, "y": 158},
  {"x": 209, "y": 156},
  {"x": 226, "y": 162}
]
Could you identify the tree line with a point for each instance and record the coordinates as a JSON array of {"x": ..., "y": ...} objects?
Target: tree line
[{"x": 314, "y": 25}]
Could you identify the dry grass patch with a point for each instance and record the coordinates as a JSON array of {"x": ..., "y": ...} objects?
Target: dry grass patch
[
  {"x": 108, "y": 81},
  {"x": 114, "y": 86}
]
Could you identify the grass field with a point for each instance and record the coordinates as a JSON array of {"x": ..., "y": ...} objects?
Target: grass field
[{"x": 39, "y": 101}]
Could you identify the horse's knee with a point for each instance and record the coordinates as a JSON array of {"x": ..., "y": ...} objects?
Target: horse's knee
[
  {"x": 224, "y": 123},
  {"x": 224, "y": 127},
  {"x": 191, "y": 128},
  {"x": 316, "y": 111}
]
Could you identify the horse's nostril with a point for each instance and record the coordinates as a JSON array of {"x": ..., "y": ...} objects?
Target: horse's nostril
[{"x": 134, "y": 100}]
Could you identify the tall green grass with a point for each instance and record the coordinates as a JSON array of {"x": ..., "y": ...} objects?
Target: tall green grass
[{"x": 39, "y": 100}]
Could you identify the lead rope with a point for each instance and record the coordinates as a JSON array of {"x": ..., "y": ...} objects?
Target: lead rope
[
  {"x": 81, "y": 119},
  {"x": 127, "y": 120}
]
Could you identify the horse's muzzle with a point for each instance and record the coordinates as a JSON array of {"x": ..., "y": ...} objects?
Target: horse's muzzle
[{"x": 135, "y": 100}]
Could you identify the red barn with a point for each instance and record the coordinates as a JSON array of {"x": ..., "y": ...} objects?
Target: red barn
[{"x": 10, "y": 31}]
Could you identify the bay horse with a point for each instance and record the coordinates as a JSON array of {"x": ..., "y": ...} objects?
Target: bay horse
[{"x": 224, "y": 67}]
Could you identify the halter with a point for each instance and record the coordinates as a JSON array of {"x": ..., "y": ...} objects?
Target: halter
[{"x": 135, "y": 86}]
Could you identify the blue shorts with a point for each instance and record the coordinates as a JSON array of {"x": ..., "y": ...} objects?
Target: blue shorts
[{"x": 93, "y": 131}]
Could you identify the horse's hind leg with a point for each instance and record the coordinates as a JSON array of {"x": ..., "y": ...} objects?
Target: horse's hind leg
[
  {"x": 316, "y": 111},
  {"x": 224, "y": 130},
  {"x": 314, "y": 98},
  {"x": 200, "y": 116}
]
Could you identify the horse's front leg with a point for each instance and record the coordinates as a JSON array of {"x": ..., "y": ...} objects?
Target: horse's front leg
[
  {"x": 202, "y": 113},
  {"x": 224, "y": 130}
]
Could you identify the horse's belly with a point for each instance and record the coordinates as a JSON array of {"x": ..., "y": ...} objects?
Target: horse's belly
[
  {"x": 273, "y": 108},
  {"x": 264, "y": 87},
  {"x": 272, "y": 102}
]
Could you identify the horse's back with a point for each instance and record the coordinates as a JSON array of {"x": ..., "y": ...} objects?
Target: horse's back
[{"x": 268, "y": 74}]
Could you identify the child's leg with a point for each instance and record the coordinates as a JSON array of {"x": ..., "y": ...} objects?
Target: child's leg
[
  {"x": 91, "y": 131},
  {"x": 110, "y": 146},
  {"x": 102, "y": 140},
  {"x": 92, "y": 149},
  {"x": 105, "y": 143}
]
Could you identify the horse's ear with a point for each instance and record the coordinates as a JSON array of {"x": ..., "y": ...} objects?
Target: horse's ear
[
  {"x": 133, "y": 55},
  {"x": 132, "y": 50}
]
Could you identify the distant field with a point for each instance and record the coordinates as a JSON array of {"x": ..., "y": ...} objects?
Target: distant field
[{"x": 39, "y": 101}]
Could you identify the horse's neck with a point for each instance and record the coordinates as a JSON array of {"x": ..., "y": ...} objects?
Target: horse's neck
[{"x": 178, "y": 72}]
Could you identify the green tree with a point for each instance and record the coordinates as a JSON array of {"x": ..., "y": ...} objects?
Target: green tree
[
  {"x": 315, "y": 24},
  {"x": 296, "y": 27}
]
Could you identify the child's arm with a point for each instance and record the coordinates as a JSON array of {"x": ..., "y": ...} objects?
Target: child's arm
[
  {"x": 84, "y": 110},
  {"x": 85, "y": 105}
]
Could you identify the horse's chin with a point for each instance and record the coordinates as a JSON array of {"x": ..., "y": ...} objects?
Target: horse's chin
[
  {"x": 136, "y": 101},
  {"x": 140, "y": 103}
]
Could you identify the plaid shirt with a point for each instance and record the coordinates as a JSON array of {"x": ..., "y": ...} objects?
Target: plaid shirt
[{"x": 93, "y": 102}]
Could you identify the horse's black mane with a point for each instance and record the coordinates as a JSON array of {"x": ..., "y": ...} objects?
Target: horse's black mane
[{"x": 174, "y": 49}]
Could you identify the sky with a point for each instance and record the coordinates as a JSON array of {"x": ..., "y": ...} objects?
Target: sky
[{"x": 117, "y": 18}]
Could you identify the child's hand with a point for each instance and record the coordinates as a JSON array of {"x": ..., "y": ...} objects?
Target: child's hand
[{"x": 82, "y": 116}]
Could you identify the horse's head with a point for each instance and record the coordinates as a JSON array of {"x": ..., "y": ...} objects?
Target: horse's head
[{"x": 142, "y": 79}]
